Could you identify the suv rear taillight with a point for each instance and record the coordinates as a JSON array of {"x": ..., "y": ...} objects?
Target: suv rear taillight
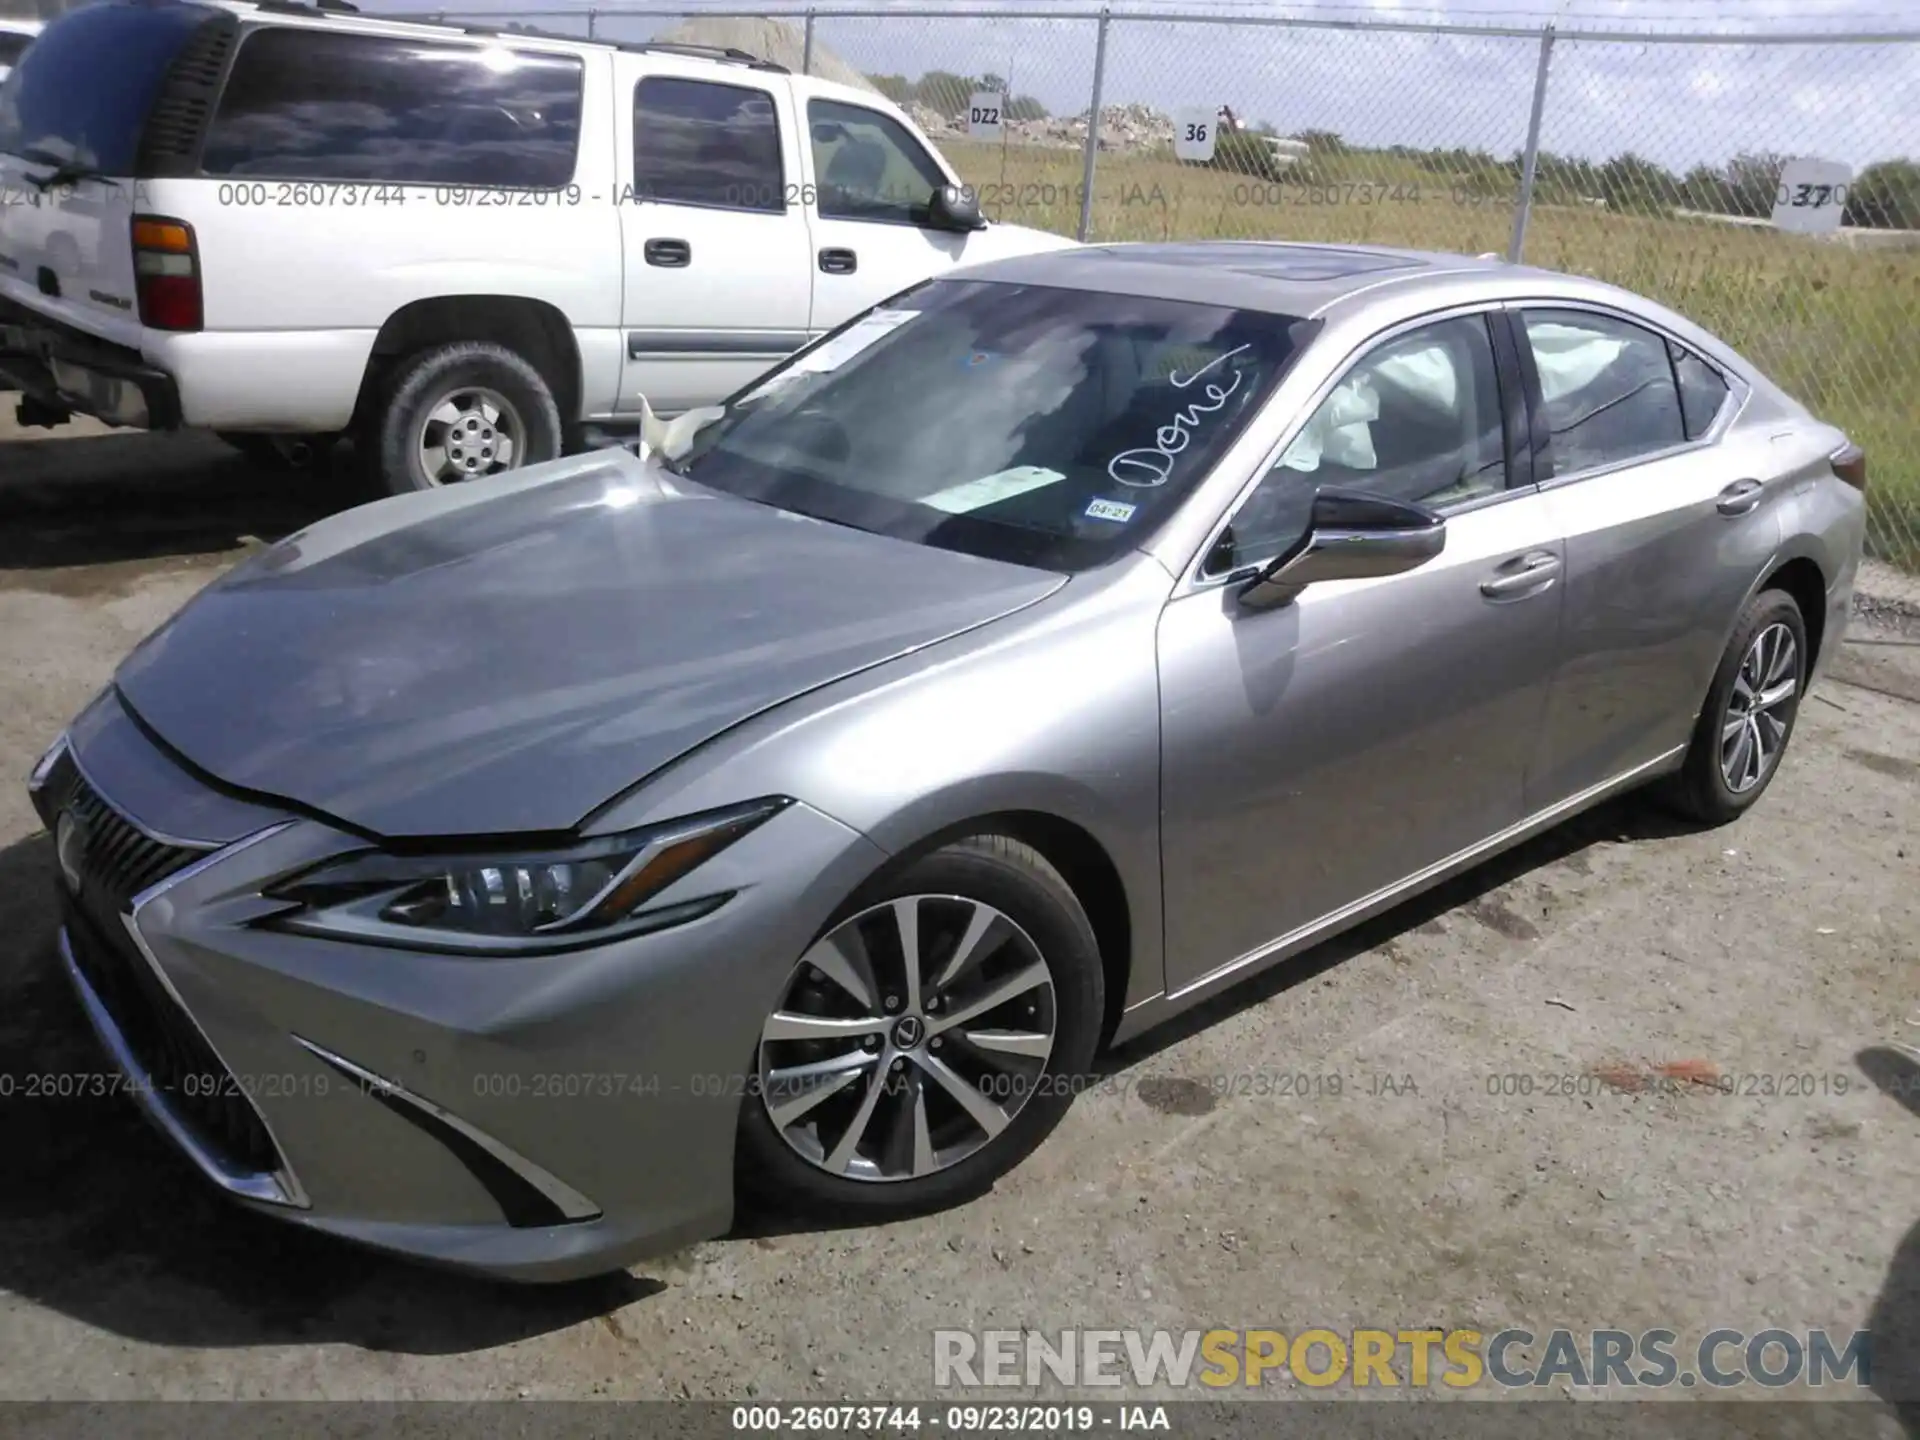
[
  {"x": 1850, "y": 464},
  {"x": 166, "y": 273}
]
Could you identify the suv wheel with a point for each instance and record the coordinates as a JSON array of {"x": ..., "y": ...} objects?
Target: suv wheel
[{"x": 459, "y": 412}]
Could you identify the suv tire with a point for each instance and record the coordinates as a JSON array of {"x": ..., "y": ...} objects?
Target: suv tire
[{"x": 495, "y": 396}]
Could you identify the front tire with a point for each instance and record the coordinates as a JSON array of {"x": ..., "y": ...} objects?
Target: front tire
[
  {"x": 1748, "y": 717},
  {"x": 928, "y": 1041},
  {"x": 460, "y": 412}
]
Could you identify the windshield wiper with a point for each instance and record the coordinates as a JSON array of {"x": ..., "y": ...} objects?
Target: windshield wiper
[{"x": 68, "y": 171}]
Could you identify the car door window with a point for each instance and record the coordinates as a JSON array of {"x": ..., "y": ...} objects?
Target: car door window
[
  {"x": 1418, "y": 418},
  {"x": 699, "y": 143},
  {"x": 1703, "y": 390},
  {"x": 868, "y": 166},
  {"x": 1607, "y": 386}
]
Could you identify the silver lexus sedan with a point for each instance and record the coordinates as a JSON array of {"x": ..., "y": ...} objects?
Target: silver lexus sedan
[{"x": 506, "y": 875}]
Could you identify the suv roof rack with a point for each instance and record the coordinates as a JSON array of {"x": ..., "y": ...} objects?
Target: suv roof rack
[
  {"x": 726, "y": 54},
  {"x": 301, "y": 7},
  {"x": 707, "y": 52}
]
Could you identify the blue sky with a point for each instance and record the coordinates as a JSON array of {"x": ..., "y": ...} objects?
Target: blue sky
[{"x": 1675, "y": 103}]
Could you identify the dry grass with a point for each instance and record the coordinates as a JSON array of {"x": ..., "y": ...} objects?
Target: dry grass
[{"x": 1838, "y": 327}]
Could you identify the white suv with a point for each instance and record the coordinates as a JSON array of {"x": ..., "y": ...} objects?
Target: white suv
[
  {"x": 15, "y": 36},
  {"x": 467, "y": 248}
]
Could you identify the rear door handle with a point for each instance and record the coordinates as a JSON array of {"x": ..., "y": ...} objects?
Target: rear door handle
[
  {"x": 1740, "y": 497},
  {"x": 672, "y": 254},
  {"x": 1529, "y": 575},
  {"x": 839, "y": 262}
]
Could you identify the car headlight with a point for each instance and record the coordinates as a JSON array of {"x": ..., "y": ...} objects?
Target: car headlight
[{"x": 510, "y": 903}]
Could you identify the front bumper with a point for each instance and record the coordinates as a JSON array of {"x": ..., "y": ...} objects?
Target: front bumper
[
  {"x": 538, "y": 1119},
  {"x": 64, "y": 369}
]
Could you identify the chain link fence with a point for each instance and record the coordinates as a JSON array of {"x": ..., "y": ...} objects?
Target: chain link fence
[{"x": 1697, "y": 169}]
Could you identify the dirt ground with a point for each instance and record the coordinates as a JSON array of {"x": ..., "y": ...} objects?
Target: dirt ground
[{"x": 1180, "y": 1195}]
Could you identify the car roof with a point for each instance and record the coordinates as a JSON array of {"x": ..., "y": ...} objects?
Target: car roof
[
  {"x": 1356, "y": 288},
  {"x": 1279, "y": 277}
]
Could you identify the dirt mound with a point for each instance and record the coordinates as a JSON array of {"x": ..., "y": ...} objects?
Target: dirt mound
[{"x": 773, "y": 40}]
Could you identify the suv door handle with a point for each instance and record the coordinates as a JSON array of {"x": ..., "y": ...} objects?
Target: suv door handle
[
  {"x": 673, "y": 254},
  {"x": 839, "y": 262},
  {"x": 1740, "y": 497},
  {"x": 1529, "y": 575}
]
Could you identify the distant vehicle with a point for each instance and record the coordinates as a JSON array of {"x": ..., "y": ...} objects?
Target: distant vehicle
[
  {"x": 1060, "y": 644},
  {"x": 466, "y": 247},
  {"x": 15, "y": 36}
]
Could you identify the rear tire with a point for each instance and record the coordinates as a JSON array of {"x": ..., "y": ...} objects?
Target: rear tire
[
  {"x": 922, "y": 1143},
  {"x": 1747, "y": 720},
  {"x": 469, "y": 397}
]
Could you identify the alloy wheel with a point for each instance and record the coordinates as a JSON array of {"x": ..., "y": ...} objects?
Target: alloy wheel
[
  {"x": 908, "y": 1038},
  {"x": 471, "y": 432},
  {"x": 1759, "y": 708}
]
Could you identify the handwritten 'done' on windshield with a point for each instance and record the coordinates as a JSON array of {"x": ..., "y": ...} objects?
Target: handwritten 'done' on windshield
[{"x": 1150, "y": 466}]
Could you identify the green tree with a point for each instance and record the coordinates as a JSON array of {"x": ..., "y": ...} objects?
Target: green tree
[
  {"x": 1886, "y": 196},
  {"x": 1632, "y": 182}
]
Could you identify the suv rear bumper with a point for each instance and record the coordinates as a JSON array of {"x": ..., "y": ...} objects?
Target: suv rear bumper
[{"x": 67, "y": 369}]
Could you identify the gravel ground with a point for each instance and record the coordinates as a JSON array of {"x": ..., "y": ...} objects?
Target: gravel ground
[{"x": 1184, "y": 1194}]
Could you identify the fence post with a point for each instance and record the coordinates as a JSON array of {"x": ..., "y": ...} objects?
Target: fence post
[
  {"x": 1531, "y": 160},
  {"x": 592, "y": 14},
  {"x": 806, "y": 49},
  {"x": 1093, "y": 126}
]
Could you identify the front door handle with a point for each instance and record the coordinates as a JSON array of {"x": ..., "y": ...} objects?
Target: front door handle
[
  {"x": 672, "y": 254},
  {"x": 837, "y": 261},
  {"x": 1529, "y": 575},
  {"x": 1740, "y": 497}
]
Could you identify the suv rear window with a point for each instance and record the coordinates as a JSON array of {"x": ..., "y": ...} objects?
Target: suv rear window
[
  {"x": 310, "y": 105},
  {"x": 81, "y": 92}
]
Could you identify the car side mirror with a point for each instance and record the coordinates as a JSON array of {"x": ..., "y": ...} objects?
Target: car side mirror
[
  {"x": 1351, "y": 535},
  {"x": 955, "y": 208}
]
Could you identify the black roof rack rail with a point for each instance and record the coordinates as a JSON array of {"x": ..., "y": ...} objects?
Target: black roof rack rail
[
  {"x": 727, "y": 53},
  {"x": 307, "y": 7},
  {"x": 707, "y": 52}
]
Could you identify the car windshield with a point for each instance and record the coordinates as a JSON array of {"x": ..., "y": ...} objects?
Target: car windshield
[{"x": 1034, "y": 424}]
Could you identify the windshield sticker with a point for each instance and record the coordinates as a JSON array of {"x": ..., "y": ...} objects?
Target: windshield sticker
[
  {"x": 1110, "y": 510},
  {"x": 850, "y": 342},
  {"x": 974, "y": 359},
  {"x": 1150, "y": 467},
  {"x": 992, "y": 489}
]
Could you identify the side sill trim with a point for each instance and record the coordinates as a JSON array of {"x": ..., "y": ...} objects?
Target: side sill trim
[
  {"x": 1385, "y": 897},
  {"x": 528, "y": 1196}
]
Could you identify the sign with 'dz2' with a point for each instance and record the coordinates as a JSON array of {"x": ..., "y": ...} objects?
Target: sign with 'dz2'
[{"x": 983, "y": 115}]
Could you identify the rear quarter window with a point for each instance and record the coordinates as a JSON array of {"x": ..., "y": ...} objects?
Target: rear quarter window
[
  {"x": 12, "y": 46},
  {"x": 305, "y": 104},
  {"x": 81, "y": 92}
]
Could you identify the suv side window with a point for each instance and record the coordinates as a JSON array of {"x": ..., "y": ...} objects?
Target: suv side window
[
  {"x": 315, "y": 105},
  {"x": 868, "y": 166},
  {"x": 1703, "y": 390},
  {"x": 1418, "y": 418},
  {"x": 699, "y": 143},
  {"x": 1608, "y": 389}
]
